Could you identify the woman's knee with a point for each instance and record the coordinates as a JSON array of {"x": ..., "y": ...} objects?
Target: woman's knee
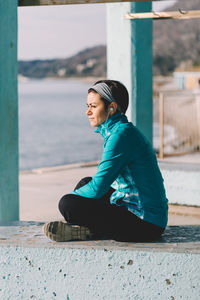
[
  {"x": 72, "y": 208},
  {"x": 83, "y": 182},
  {"x": 64, "y": 203}
]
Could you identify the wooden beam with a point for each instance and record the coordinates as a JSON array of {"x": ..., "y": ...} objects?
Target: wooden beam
[
  {"x": 64, "y": 2},
  {"x": 192, "y": 14}
]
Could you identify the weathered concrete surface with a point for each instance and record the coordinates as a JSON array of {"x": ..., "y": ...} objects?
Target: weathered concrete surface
[
  {"x": 176, "y": 239},
  {"x": 33, "y": 267}
]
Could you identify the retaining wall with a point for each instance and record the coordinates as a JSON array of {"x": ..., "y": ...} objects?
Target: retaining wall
[
  {"x": 182, "y": 183},
  {"x": 33, "y": 267}
]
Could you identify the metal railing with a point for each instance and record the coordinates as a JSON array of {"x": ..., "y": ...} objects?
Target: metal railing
[{"x": 177, "y": 117}]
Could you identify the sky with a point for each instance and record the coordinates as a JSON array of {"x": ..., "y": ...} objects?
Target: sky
[{"x": 48, "y": 32}]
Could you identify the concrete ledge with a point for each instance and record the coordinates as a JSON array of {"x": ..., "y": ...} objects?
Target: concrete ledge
[
  {"x": 33, "y": 267},
  {"x": 181, "y": 182}
]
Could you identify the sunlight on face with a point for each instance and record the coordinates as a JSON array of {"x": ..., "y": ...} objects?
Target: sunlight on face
[{"x": 96, "y": 110}]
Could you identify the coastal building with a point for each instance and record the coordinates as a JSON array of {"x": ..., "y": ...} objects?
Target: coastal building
[{"x": 188, "y": 79}]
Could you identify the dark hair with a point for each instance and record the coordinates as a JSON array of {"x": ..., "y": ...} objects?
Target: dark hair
[{"x": 118, "y": 91}]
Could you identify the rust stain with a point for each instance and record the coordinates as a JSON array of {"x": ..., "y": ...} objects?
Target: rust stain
[{"x": 168, "y": 281}]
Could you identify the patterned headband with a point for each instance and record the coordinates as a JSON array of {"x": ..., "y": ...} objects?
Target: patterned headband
[{"x": 104, "y": 91}]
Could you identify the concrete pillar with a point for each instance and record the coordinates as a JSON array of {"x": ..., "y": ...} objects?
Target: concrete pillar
[
  {"x": 9, "y": 202},
  {"x": 129, "y": 59}
]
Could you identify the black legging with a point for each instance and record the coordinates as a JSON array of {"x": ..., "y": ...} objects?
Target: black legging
[{"x": 106, "y": 220}]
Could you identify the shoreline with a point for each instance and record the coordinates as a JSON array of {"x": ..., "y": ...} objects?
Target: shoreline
[{"x": 89, "y": 79}]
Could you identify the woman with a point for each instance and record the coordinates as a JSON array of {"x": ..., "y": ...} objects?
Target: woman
[{"x": 125, "y": 200}]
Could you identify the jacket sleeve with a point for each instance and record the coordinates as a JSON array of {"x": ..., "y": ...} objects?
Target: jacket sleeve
[{"x": 114, "y": 158}]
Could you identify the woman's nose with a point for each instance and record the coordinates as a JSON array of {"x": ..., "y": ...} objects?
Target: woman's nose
[{"x": 88, "y": 111}]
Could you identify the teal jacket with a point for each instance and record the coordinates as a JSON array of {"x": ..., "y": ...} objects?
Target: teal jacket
[{"x": 128, "y": 165}]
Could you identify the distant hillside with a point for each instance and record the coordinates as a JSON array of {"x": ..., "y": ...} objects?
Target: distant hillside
[
  {"x": 176, "y": 43},
  {"x": 89, "y": 62}
]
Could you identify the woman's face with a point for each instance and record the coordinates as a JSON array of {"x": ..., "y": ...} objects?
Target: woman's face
[{"x": 96, "y": 109}]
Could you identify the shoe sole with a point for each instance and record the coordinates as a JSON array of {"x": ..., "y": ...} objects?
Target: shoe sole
[{"x": 63, "y": 232}]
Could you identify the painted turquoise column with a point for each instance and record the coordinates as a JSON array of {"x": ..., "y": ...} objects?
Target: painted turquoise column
[
  {"x": 129, "y": 59},
  {"x": 9, "y": 200}
]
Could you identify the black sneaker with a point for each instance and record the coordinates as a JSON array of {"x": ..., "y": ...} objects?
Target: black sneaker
[{"x": 63, "y": 232}]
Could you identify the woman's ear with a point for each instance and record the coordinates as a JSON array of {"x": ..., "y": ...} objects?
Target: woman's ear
[{"x": 113, "y": 108}]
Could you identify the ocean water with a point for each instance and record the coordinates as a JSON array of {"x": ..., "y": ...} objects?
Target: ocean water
[{"x": 53, "y": 127}]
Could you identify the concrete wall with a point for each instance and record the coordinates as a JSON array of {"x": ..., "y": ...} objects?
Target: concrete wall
[
  {"x": 33, "y": 267},
  {"x": 77, "y": 274},
  {"x": 182, "y": 183}
]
